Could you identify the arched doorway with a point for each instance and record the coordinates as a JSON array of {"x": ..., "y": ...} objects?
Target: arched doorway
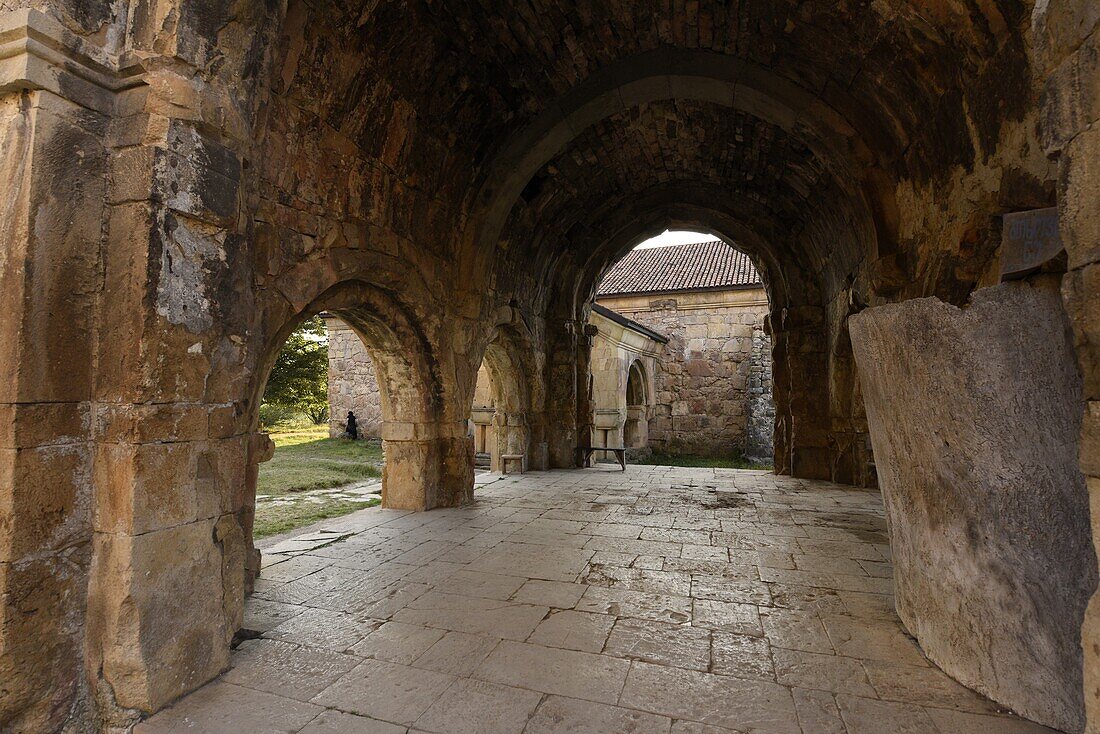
[
  {"x": 503, "y": 417},
  {"x": 636, "y": 427}
]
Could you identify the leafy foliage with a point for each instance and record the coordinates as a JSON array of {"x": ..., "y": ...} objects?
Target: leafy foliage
[{"x": 299, "y": 379}]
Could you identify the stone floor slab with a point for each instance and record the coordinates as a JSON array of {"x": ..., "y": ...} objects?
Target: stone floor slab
[
  {"x": 473, "y": 615},
  {"x": 559, "y": 715},
  {"x": 477, "y": 707},
  {"x": 573, "y": 630},
  {"x": 338, "y": 722},
  {"x": 457, "y": 653},
  {"x": 386, "y": 691},
  {"x": 734, "y": 703},
  {"x": 289, "y": 670},
  {"x": 680, "y": 646},
  {"x": 550, "y": 670},
  {"x": 223, "y": 708}
]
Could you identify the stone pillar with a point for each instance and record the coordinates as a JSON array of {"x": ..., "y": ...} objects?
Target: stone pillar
[
  {"x": 427, "y": 465},
  {"x": 169, "y": 563},
  {"x": 586, "y": 409},
  {"x": 53, "y": 167},
  {"x": 801, "y": 394},
  {"x": 975, "y": 416},
  {"x": 562, "y": 395}
]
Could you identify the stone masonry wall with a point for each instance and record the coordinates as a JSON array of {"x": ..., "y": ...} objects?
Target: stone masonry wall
[
  {"x": 760, "y": 426},
  {"x": 705, "y": 402},
  {"x": 352, "y": 384}
]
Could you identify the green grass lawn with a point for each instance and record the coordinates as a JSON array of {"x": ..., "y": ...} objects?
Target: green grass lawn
[
  {"x": 710, "y": 462},
  {"x": 306, "y": 459}
]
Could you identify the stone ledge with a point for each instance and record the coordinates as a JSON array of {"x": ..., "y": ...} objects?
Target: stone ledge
[{"x": 37, "y": 52}]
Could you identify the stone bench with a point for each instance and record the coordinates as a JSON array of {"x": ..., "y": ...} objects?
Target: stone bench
[{"x": 505, "y": 458}]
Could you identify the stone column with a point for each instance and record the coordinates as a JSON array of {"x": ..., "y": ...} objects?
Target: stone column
[
  {"x": 427, "y": 465},
  {"x": 562, "y": 395},
  {"x": 801, "y": 394},
  {"x": 586, "y": 409}
]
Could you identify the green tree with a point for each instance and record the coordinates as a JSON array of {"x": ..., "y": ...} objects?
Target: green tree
[{"x": 299, "y": 379}]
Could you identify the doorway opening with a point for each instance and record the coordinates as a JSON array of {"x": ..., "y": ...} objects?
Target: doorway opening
[{"x": 681, "y": 362}]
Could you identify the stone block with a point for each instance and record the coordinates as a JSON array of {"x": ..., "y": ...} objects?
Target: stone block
[
  {"x": 1081, "y": 296},
  {"x": 41, "y": 638},
  {"x": 159, "y": 623},
  {"x": 975, "y": 416},
  {"x": 28, "y": 425},
  {"x": 46, "y": 502},
  {"x": 146, "y": 487},
  {"x": 51, "y": 227},
  {"x": 1078, "y": 188}
]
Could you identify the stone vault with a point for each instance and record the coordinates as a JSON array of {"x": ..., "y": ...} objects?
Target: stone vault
[{"x": 183, "y": 183}]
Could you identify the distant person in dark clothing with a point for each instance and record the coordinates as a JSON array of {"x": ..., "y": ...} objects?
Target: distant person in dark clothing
[{"x": 352, "y": 429}]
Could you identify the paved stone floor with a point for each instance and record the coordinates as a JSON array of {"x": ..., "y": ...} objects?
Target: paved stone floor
[{"x": 683, "y": 601}]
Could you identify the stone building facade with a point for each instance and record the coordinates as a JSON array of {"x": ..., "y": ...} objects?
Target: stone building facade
[
  {"x": 626, "y": 356},
  {"x": 713, "y": 378}
]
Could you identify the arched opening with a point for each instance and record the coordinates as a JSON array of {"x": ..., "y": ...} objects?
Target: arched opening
[
  {"x": 503, "y": 414},
  {"x": 184, "y": 192},
  {"x": 689, "y": 321},
  {"x": 322, "y": 465},
  {"x": 376, "y": 330},
  {"x": 481, "y": 419},
  {"x": 636, "y": 428}
]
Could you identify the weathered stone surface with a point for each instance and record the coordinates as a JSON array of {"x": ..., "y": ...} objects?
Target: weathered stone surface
[
  {"x": 183, "y": 183},
  {"x": 975, "y": 415}
]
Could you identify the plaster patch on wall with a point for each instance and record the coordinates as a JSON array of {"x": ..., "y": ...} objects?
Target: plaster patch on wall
[{"x": 185, "y": 264}]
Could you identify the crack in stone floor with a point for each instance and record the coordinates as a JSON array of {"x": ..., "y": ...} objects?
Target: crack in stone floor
[{"x": 655, "y": 600}]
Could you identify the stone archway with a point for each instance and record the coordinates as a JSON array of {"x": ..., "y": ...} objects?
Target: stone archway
[
  {"x": 515, "y": 429},
  {"x": 124, "y": 608}
]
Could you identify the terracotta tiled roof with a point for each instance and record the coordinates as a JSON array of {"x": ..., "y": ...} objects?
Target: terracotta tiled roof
[{"x": 700, "y": 265}]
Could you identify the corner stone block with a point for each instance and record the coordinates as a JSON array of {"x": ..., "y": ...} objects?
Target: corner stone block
[{"x": 146, "y": 487}]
